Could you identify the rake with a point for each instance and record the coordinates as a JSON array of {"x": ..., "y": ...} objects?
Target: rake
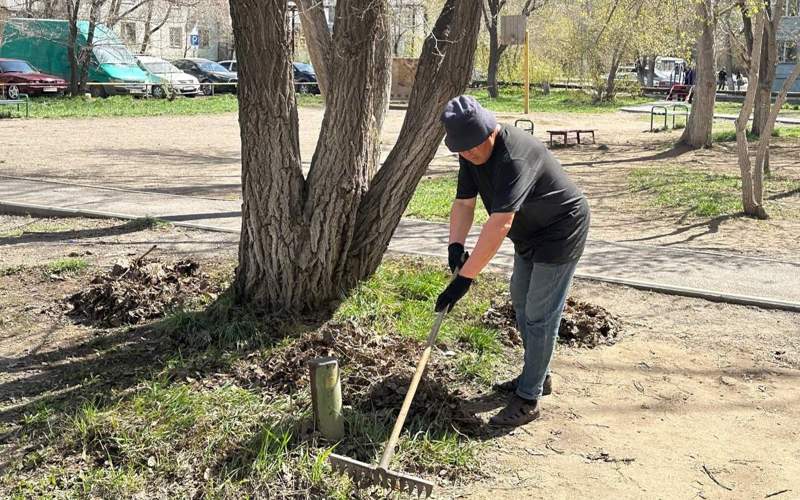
[{"x": 364, "y": 474}]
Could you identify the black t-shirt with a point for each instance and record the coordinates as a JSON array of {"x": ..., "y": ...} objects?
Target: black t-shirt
[{"x": 522, "y": 176}]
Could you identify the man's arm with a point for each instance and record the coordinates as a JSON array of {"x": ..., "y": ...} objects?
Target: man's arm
[
  {"x": 492, "y": 234},
  {"x": 462, "y": 214}
]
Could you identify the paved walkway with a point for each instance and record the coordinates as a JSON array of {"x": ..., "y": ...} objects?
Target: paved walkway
[{"x": 706, "y": 274}]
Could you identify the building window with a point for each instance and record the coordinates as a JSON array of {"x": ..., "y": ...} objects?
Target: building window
[
  {"x": 203, "y": 33},
  {"x": 176, "y": 38},
  {"x": 129, "y": 33}
]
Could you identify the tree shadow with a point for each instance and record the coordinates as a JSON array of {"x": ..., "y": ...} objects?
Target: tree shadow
[{"x": 673, "y": 152}]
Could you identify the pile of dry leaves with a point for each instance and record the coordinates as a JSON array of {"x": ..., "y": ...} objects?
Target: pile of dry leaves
[
  {"x": 582, "y": 324},
  {"x": 138, "y": 290}
]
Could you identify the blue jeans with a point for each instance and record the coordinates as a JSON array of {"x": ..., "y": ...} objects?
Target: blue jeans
[{"x": 538, "y": 293}]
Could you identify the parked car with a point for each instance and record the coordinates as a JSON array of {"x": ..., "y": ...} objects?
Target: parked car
[
  {"x": 167, "y": 78},
  {"x": 42, "y": 42},
  {"x": 209, "y": 72},
  {"x": 305, "y": 78},
  {"x": 229, "y": 64},
  {"x": 20, "y": 77}
]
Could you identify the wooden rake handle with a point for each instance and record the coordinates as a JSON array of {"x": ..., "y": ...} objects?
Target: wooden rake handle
[{"x": 388, "y": 452}]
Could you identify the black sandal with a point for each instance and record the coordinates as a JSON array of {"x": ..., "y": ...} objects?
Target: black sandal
[
  {"x": 511, "y": 385},
  {"x": 518, "y": 412}
]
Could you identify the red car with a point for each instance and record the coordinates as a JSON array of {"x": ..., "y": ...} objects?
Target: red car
[{"x": 18, "y": 77}]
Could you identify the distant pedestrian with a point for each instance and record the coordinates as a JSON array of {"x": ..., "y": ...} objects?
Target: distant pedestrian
[
  {"x": 690, "y": 76},
  {"x": 739, "y": 80},
  {"x": 721, "y": 78}
]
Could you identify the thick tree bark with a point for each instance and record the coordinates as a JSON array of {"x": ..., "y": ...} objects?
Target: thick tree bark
[
  {"x": 318, "y": 40},
  {"x": 305, "y": 243},
  {"x": 697, "y": 133},
  {"x": 495, "y": 53}
]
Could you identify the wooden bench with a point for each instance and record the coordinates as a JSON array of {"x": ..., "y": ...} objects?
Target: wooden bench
[
  {"x": 565, "y": 134},
  {"x": 22, "y": 99}
]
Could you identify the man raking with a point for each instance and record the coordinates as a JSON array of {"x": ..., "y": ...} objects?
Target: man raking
[{"x": 532, "y": 201}]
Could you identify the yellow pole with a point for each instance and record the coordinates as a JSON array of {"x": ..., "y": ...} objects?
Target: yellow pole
[{"x": 527, "y": 76}]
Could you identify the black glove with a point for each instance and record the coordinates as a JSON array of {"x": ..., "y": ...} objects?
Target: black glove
[
  {"x": 453, "y": 293},
  {"x": 456, "y": 256}
]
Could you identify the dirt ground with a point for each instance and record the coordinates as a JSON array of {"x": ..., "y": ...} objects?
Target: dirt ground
[
  {"x": 696, "y": 399},
  {"x": 200, "y": 156}
]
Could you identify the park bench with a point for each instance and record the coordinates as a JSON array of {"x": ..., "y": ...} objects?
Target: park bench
[
  {"x": 18, "y": 102},
  {"x": 565, "y": 134}
]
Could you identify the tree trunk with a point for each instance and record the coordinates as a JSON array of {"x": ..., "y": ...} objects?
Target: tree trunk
[
  {"x": 495, "y": 52},
  {"x": 318, "y": 40},
  {"x": 651, "y": 70},
  {"x": 86, "y": 53},
  {"x": 305, "y": 243},
  {"x": 697, "y": 133},
  {"x": 73, "y": 9},
  {"x": 612, "y": 76},
  {"x": 147, "y": 22},
  {"x": 751, "y": 203},
  {"x": 769, "y": 59}
]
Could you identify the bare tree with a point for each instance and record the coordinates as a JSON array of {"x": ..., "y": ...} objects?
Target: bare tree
[
  {"x": 307, "y": 241},
  {"x": 753, "y": 174},
  {"x": 80, "y": 55},
  {"x": 492, "y": 11}
]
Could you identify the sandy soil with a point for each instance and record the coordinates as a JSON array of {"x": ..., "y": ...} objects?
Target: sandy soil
[
  {"x": 200, "y": 156},
  {"x": 693, "y": 393}
]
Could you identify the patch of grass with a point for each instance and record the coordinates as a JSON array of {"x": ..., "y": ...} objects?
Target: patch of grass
[
  {"x": 511, "y": 100},
  {"x": 147, "y": 223},
  {"x": 69, "y": 265},
  {"x": 787, "y": 132},
  {"x": 78, "y": 107},
  {"x": 12, "y": 270},
  {"x": 434, "y": 197},
  {"x": 701, "y": 194},
  {"x": 35, "y": 226},
  {"x": 400, "y": 297},
  {"x": 729, "y": 135}
]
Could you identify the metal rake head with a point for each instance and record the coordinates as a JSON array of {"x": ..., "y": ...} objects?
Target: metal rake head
[{"x": 364, "y": 475}]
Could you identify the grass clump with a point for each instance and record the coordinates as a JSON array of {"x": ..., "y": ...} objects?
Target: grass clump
[
  {"x": 78, "y": 107},
  {"x": 511, "y": 100},
  {"x": 701, "y": 194},
  {"x": 68, "y": 265},
  {"x": 434, "y": 197},
  {"x": 147, "y": 223}
]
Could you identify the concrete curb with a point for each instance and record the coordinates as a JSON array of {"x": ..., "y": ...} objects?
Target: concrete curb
[
  {"x": 14, "y": 208},
  {"x": 744, "y": 300}
]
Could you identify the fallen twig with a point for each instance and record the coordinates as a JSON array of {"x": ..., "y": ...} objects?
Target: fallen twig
[
  {"x": 777, "y": 493},
  {"x": 710, "y": 475}
]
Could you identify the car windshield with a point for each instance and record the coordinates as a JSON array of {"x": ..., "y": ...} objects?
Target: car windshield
[
  {"x": 306, "y": 68},
  {"x": 113, "y": 54},
  {"x": 160, "y": 67},
  {"x": 212, "y": 67},
  {"x": 16, "y": 67}
]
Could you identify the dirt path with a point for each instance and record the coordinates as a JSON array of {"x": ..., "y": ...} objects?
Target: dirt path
[
  {"x": 695, "y": 390},
  {"x": 200, "y": 156}
]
